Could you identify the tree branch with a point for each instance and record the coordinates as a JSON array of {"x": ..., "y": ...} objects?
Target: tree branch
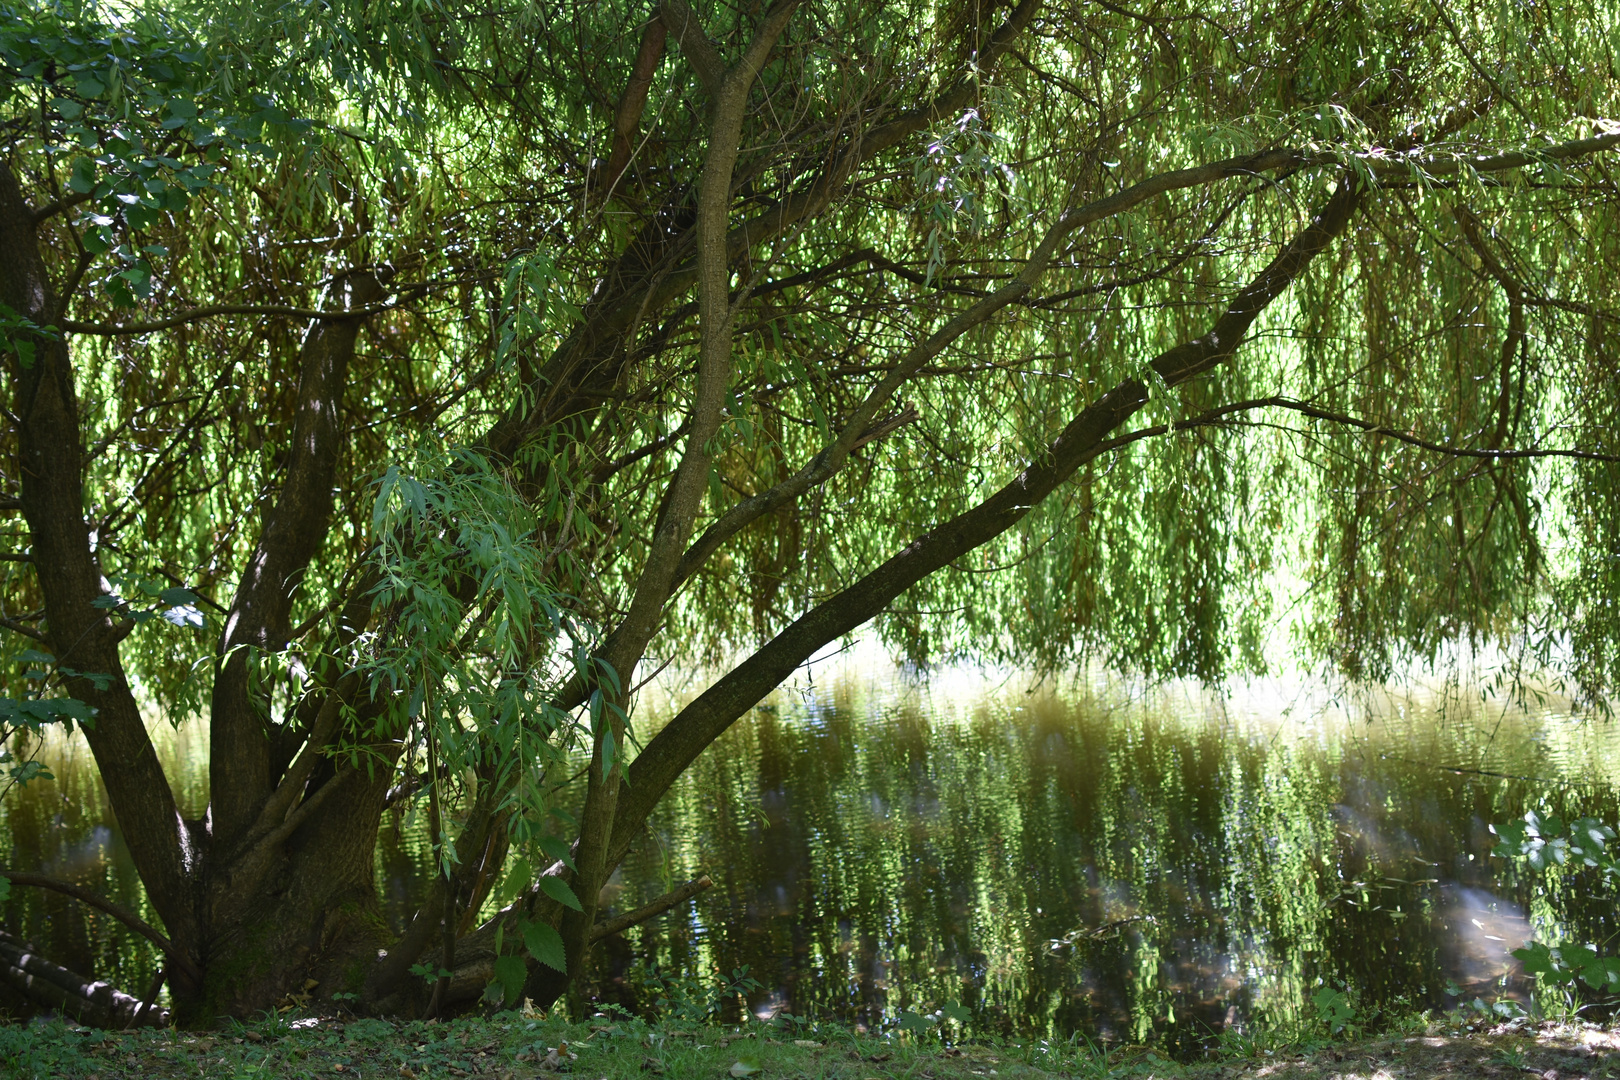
[
  {"x": 620, "y": 923},
  {"x": 215, "y": 310},
  {"x": 293, "y": 532},
  {"x": 695, "y": 44},
  {"x": 685, "y": 493},
  {"x": 122, "y": 914},
  {"x": 696, "y": 726},
  {"x": 85, "y": 1000},
  {"x": 24, "y": 629},
  {"x": 634, "y": 102},
  {"x": 67, "y": 202},
  {"x": 1372, "y": 428},
  {"x": 280, "y": 803}
]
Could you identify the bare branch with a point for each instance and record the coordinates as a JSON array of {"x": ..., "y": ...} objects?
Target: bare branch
[
  {"x": 68, "y": 202},
  {"x": 214, "y": 311},
  {"x": 695, "y": 44},
  {"x": 621, "y": 923},
  {"x": 24, "y": 629},
  {"x": 88, "y": 1001},
  {"x": 100, "y": 903}
]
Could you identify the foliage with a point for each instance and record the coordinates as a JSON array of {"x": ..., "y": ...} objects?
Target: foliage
[
  {"x": 1546, "y": 843},
  {"x": 423, "y": 376},
  {"x": 684, "y": 1000}
]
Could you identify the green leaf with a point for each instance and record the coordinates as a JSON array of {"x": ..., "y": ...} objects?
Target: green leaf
[
  {"x": 912, "y": 1021},
  {"x": 545, "y": 945},
  {"x": 558, "y": 849},
  {"x": 744, "y": 1067},
  {"x": 510, "y": 973},
  {"x": 177, "y": 595},
  {"x": 1602, "y": 973},
  {"x": 83, "y": 177},
  {"x": 559, "y": 890},
  {"x": 518, "y": 876}
]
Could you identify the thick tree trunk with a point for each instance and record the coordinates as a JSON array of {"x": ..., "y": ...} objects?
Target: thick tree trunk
[{"x": 83, "y": 636}]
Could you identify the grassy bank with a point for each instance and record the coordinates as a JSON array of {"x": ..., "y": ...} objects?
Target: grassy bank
[{"x": 518, "y": 1047}]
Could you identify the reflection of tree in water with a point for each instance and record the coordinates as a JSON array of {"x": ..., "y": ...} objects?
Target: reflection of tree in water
[
  {"x": 1053, "y": 867},
  {"x": 871, "y": 859}
]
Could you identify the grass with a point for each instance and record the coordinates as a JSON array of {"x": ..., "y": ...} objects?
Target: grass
[{"x": 515, "y": 1046}]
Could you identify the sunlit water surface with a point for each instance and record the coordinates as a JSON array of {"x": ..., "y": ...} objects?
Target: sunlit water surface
[{"x": 1087, "y": 859}]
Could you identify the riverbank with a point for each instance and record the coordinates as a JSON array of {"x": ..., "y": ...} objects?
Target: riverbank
[{"x": 517, "y": 1047}]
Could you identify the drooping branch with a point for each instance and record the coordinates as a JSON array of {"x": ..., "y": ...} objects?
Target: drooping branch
[
  {"x": 214, "y": 311},
  {"x": 1223, "y": 414},
  {"x": 1374, "y": 428},
  {"x": 833, "y": 457}
]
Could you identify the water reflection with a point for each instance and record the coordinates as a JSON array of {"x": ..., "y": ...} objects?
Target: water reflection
[
  {"x": 1150, "y": 872},
  {"x": 1147, "y": 873}
]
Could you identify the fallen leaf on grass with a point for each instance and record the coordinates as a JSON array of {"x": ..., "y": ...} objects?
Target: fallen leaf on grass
[
  {"x": 743, "y": 1068},
  {"x": 885, "y": 1056},
  {"x": 808, "y": 1044}
]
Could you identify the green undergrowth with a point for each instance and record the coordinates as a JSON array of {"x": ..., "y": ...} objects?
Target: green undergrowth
[{"x": 517, "y": 1046}]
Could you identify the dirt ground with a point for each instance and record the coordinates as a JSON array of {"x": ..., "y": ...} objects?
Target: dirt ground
[{"x": 1548, "y": 1051}]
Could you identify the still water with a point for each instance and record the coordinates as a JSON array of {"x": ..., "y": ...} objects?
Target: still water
[{"x": 1088, "y": 859}]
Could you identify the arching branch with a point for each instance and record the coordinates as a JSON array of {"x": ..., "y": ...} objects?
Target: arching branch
[{"x": 101, "y": 903}]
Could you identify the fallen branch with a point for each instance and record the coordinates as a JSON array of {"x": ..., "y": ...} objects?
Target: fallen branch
[
  {"x": 87, "y": 1001},
  {"x": 621, "y": 923}
]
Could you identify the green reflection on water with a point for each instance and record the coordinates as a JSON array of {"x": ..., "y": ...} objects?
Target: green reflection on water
[{"x": 1150, "y": 872}]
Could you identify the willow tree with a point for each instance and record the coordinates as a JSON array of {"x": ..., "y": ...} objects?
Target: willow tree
[{"x": 393, "y": 389}]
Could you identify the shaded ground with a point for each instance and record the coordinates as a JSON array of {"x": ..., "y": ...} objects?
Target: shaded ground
[{"x": 514, "y": 1047}]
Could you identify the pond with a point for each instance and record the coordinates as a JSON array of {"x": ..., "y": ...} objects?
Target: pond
[{"x": 1146, "y": 868}]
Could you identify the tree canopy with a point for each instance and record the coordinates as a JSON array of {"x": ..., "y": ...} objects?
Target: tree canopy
[{"x": 392, "y": 387}]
